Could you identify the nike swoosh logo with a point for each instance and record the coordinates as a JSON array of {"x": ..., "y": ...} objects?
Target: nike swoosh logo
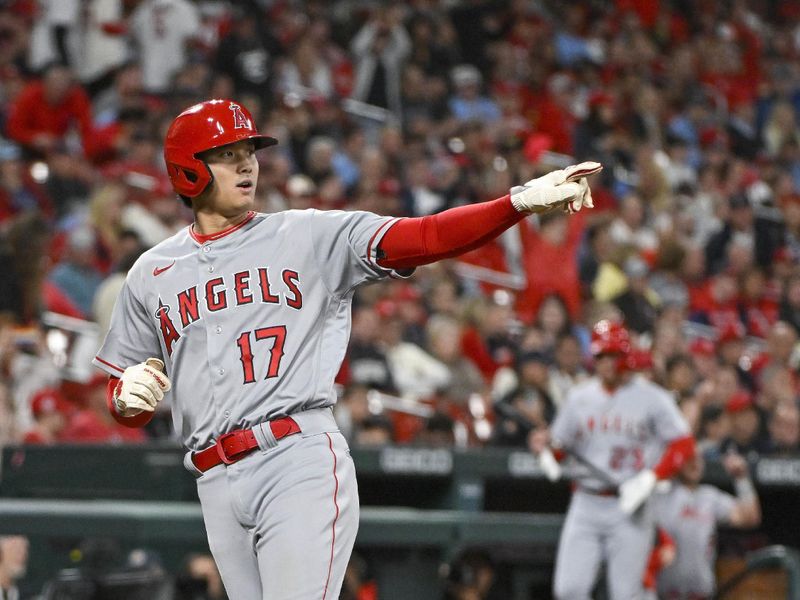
[{"x": 157, "y": 271}]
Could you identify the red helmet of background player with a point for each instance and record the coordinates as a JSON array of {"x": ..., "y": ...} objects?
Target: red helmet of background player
[
  {"x": 610, "y": 337},
  {"x": 201, "y": 127}
]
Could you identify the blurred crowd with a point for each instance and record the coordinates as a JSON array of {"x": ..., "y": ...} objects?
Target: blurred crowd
[{"x": 408, "y": 109}]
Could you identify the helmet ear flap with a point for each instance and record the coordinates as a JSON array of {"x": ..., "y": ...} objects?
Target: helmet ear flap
[{"x": 192, "y": 181}]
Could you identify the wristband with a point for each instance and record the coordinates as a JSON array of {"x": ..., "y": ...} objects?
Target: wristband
[
  {"x": 119, "y": 404},
  {"x": 744, "y": 488}
]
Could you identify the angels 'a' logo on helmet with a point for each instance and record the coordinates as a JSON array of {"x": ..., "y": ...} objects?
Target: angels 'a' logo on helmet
[{"x": 240, "y": 121}]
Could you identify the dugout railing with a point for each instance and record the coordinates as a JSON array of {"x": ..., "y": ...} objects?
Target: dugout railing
[{"x": 421, "y": 506}]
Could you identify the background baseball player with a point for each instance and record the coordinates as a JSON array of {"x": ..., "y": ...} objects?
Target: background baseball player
[
  {"x": 630, "y": 430},
  {"x": 249, "y": 315},
  {"x": 689, "y": 513}
]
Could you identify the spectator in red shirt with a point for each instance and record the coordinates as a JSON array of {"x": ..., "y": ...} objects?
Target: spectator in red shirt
[
  {"x": 550, "y": 262},
  {"x": 718, "y": 303},
  {"x": 95, "y": 424},
  {"x": 50, "y": 412},
  {"x": 43, "y": 113},
  {"x": 758, "y": 302}
]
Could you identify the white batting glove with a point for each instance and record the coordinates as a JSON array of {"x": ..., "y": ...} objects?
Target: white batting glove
[
  {"x": 549, "y": 465},
  {"x": 141, "y": 388},
  {"x": 538, "y": 195},
  {"x": 585, "y": 199},
  {"x": 637, "y": 489},
  {"x": 542, "y": 199},
  {"x": 571, "y": 173}
]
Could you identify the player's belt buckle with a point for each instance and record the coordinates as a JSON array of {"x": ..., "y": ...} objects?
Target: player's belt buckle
[{"x": 220, "y": 445}]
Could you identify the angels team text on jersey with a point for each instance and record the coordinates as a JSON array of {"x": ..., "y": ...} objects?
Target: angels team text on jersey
[
  {"x": 222, "y": 293},
  {"x": 617, "y": 424}
]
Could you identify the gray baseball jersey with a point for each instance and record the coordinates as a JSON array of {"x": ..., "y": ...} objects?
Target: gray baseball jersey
[
  {"x": 691, "y": 516},
  {"x": 252, "y": 323},
  {"x": 621, "y": 432}
]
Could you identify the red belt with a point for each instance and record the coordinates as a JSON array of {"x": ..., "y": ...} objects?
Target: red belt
[{"x": 235, "y": 445}]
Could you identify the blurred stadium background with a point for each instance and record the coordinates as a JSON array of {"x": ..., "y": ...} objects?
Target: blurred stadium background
[{"x": 408, "y": 108}]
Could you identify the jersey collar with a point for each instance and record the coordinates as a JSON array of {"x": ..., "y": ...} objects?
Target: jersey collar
[{"x": 202, "y": 239}]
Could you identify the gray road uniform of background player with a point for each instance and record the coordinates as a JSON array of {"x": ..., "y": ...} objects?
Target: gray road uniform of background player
[
  {"x": 621, "y": 433},
  {"x": 690, "y": 517},
  {"x": 253, "y": 325}
]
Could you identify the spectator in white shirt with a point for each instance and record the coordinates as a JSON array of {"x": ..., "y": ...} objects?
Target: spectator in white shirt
[{"x": 162, "y": 30}]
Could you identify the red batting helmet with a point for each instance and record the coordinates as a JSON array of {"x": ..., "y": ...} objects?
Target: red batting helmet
[
  {"x": 201, "y": 127},
  {"x": 610, "y": 337}
]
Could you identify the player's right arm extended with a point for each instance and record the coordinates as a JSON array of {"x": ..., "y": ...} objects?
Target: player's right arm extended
[
  {"x": 414, "y": 242},
  {"x": 132, "y": 399}
]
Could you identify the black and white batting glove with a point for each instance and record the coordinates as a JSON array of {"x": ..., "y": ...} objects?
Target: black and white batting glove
[
  {"x": 141, "y": 388},
  {"x": 566, "y": 188}
]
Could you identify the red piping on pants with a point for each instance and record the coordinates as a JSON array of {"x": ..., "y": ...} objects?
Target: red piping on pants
[{"x": 336, "y": 518}]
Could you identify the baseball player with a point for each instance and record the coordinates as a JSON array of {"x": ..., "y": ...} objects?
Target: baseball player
[
  {"x": 689, "y": 513},
  {"x": 631, "y": 432},
  {"x": 246, "y": 318}
]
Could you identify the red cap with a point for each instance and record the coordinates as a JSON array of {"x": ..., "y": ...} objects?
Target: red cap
[
  {"x": 49, "y": 401},
  {"x": 740, "y": 401},
  {"x": 731, "y": 332},
  {"x": 782, "y": 254},
  {"x": 600, "y": 98},
  {"x": 407, "y": 293},
  {"x": 711, "y": 136},
  {"x": 536, "y": 145},
  {"x": 389, "y": 187},
  {"x": 702, "y": 347},
  {"x": 386, "y": 308}
]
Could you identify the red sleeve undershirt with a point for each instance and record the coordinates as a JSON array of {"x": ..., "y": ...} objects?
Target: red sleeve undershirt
[
  {"x": 675, "y": 456},
  {"x": 655, "y": 564},
  {"x": 140, "y": 420},
  {"x": 418, "y": 241}
]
